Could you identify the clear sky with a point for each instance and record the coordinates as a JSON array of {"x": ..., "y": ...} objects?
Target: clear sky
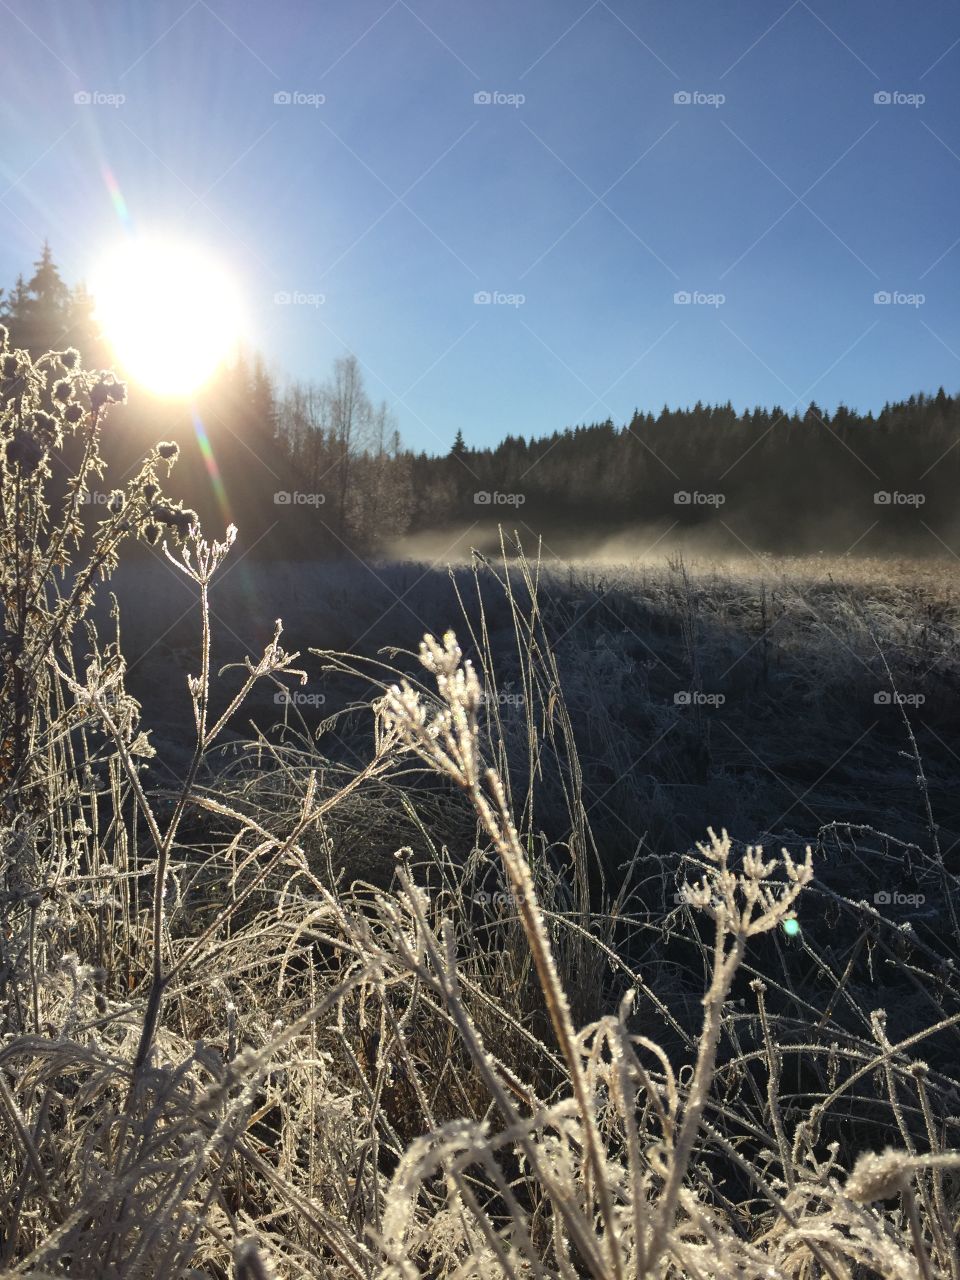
[{"x": 584, "y": 188}]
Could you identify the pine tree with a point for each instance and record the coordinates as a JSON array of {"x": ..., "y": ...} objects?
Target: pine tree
[
  {"x": 37, "y": 312},
  {"x": 44, "y": 314},
  {"x": 48, "y": 301}
]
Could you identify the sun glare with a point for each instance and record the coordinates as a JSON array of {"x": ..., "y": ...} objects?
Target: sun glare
[{"x": 170, "y": 312}]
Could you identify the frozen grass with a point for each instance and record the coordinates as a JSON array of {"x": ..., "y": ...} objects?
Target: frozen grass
[
  {"x": 224, "y": 1053},
  {"x": 748, "y": 688}
]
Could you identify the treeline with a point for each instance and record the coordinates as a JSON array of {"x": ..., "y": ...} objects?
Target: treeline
[
  {"x": 316, "y": 468},
  {"x": 777, "y": 479},
  {"x": 769, "y": 479}
]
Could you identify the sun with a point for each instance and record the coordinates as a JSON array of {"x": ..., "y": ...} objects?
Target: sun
[{"x": 169, "y": 310}]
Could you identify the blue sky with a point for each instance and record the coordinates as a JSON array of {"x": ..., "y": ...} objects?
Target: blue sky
[{"x": 596, "y": 199}]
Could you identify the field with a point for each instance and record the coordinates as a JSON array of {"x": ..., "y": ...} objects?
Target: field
[
  {"x": 780, "y": 693},
  {"x": 322, "y": 1000}
]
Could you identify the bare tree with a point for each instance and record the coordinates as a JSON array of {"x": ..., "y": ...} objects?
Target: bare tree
[
  {"x": 349, "y": 448},
  {"x": 381, "y": 496},
  {"x": 304, "y": 422},
  {"x": 351, "y": 415}
]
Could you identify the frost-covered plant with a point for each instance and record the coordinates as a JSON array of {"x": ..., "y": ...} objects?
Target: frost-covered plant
[
  {"x": 53, "y": 414},
  {"x": 54, "y": 554},
  {"x": 124, "y": 1129},
  {"x": 605, "y": 1169}
]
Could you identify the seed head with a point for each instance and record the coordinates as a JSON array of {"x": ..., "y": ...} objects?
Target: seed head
[
  {"x": 107, "y": 391},
  {"x": 176, "y": 518},
  {"x": 183, "y": 521},
  {"x": 45, "y": 425},
  {"x": 25, "y": 450}
]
